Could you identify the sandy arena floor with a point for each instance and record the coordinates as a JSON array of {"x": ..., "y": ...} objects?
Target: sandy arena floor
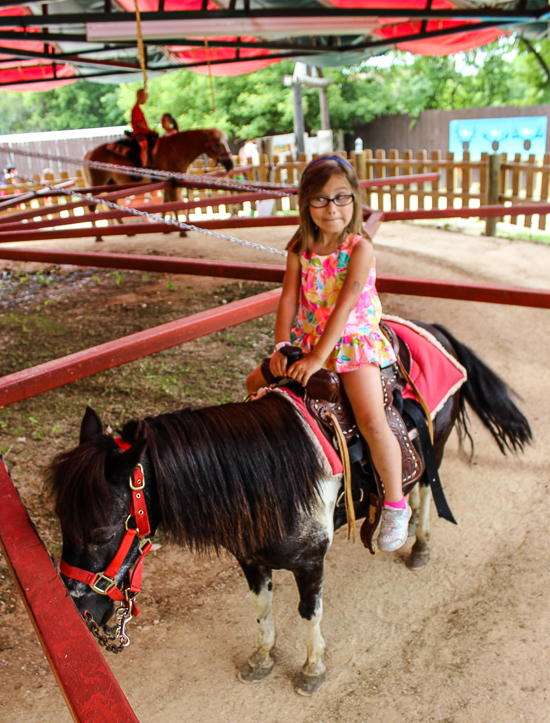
[{"x": 466, "y": 639}]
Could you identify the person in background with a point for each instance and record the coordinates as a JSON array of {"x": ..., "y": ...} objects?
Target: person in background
[
  {"x": 249, "y": 152},
  {"x": 169, "y": 123},
  {"x": 140, "y": 130}
]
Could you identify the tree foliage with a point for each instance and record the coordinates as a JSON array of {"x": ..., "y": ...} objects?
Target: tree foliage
[{"x": 508, "y": 72}]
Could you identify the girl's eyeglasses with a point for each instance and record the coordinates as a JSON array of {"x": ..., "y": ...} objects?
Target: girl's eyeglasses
[{"x": 343, "y": 199}]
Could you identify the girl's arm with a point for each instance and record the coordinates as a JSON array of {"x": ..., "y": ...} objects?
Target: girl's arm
[
  {"x": 359, "y": 268},
  {"x": 286, "y": 311}
]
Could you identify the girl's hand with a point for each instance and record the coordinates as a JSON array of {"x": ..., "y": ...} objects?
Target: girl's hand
[
  {"x": 302, "y": 370},
  {"x": 277, "y": 365}
]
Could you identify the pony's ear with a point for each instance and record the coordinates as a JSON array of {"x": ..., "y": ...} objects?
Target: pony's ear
[
  {"x": 124, "y": 464},
  {"x": 90, "y": 426}
]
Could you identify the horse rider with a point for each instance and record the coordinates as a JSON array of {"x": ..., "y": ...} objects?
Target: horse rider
[
  {"x": 169, "y": 123},
  {"x": 140, "y": 130}
]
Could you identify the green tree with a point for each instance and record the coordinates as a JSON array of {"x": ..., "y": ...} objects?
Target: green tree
[{"x": 79, "y": 105}]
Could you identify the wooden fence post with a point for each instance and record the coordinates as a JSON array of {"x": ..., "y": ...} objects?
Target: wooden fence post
[{"x": 493, "y": 192}]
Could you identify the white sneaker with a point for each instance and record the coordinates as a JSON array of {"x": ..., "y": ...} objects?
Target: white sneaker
[{"x": 394, "y": 530}]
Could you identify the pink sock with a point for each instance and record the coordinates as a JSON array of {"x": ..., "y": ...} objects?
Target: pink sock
[{"x": 401, "y": 505}]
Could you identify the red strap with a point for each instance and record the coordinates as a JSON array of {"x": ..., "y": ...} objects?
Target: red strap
[
  {"x": 123, "y": 548},
  {"x": 122, "y": 443},
  {"x": 77, "y": 574},
  {"x": 138, "y": 510}
]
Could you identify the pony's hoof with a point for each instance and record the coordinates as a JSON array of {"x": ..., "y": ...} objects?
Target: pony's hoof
[
  {"x": 249, "y": 674},
  {"x": 308, "y": 685},
  {"x": 98, "y": 239},
  {"x": 419, "y": 557},
  {"x": 183, "y": 234}
]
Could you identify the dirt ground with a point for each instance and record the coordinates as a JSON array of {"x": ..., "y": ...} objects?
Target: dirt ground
[{"x": 466, "y": 639}]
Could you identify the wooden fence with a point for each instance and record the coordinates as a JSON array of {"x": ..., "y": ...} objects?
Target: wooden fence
[{"x": 461, "y": 183}]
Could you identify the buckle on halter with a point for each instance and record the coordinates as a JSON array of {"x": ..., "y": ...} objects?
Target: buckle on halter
[
  {"x": 143, "y": 542},
  {"x": 102, "y": 577},
  {"x": 141, "y": 483}
]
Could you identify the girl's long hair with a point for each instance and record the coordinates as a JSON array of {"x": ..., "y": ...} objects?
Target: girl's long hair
[{"x": 312, "y": 182}]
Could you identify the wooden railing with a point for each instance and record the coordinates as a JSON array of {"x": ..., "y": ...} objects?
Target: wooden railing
[{"x": 461, "y": 183}]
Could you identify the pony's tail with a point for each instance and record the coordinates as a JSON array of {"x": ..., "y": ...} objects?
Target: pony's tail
[{"x": 491, "y": 399}]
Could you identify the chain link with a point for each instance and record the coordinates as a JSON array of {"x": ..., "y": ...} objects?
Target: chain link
[
  {"x": 147, "y": 172},
  {"x": 154, "y": 218},
  {"x": 109, "y": 640}
]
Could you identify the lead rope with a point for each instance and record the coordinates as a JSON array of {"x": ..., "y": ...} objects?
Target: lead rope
[
  {"x": 343, "y": 447},
  {"x": 141, "y": 49}
]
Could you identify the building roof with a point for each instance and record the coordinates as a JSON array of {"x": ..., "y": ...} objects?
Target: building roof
[{"x": 44, "y": 45}]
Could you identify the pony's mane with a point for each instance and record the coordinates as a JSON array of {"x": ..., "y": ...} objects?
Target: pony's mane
[
  {"x": 237, "y": 476},
  {"x": 81, "y": 491}
]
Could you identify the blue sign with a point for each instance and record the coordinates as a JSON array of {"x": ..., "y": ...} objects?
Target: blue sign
[{"x": 525, "y": 135}]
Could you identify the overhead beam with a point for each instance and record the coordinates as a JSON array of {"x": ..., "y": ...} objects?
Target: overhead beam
[
  {"x": 462, "y": 14},
  {"x": 68, "y": 58},
  {"x": 153, "y": 69}
]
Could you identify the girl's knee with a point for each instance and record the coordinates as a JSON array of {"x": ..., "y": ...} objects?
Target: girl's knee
[{"x": 373, "y": 423}]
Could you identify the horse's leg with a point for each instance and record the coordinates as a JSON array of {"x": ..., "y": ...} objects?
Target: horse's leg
[
  {"x": 309, "y": 580},
  {"x": 260, "y": 664},
  {"x": 414, "y": 502},
  {"x": 420, "y": 553}
]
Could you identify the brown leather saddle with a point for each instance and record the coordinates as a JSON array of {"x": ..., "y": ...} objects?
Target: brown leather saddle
[{"x": 324, "y": 394}]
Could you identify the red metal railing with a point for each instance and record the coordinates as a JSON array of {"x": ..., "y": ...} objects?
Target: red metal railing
[{"x": 90, "y": 689}]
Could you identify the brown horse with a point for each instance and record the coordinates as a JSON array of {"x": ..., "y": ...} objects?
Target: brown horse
[{"x": 175, "y": 153}]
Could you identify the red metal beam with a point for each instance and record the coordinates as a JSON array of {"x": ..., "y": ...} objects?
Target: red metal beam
[
  {"x": 489, "y": 293},
  {"x": 122, "y": 212},
  {"x": 527, "y": 209},
  {"x": 131, "y": 229},
  {"x": 166, "y": 264},
  {"x": 373, "y": 219},
  {"x": 56, "y": 373},
  {"x": 91, "y": 691},
  {"x": 10, "y": 219}
]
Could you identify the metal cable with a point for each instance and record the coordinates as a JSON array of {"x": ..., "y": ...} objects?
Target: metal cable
[
  {"x": 154, "y": 218},
  {"x": 147, "y": 172}
]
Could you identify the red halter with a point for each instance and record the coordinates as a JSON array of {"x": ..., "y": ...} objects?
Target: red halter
[{"x": 104, "y": 583}]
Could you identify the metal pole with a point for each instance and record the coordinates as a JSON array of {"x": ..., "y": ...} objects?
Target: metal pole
[
  {"x": 323, "y": 106},
  {"x": 299, "y": 126},
  {"x": 493, "y": 193}
]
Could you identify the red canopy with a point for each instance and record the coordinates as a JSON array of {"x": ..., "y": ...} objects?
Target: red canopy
[{"x": 338, "y": 32}]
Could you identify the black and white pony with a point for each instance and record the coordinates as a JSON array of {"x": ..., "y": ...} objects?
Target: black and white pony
[{"x": 245, "y": 477}]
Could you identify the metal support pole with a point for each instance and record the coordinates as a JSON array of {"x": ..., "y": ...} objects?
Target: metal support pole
[
  {"x": 493, "y": 193},
  {"x": 323, "y": 107},
  {"x": 299, "y": 126}
]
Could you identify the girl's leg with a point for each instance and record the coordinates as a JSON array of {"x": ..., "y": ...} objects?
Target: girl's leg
[
  {"x": 364, "y": 390},
  {"x": 255, "y": 380}
]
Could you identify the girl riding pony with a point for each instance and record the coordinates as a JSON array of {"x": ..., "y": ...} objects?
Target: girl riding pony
[{"x": 330, "y": 283}]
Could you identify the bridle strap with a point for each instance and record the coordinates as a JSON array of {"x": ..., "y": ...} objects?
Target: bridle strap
[{"x": 104, "y": 583}]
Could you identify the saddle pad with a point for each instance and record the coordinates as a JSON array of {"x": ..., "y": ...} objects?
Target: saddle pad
[
  {"x": 330, "y": 454},
  {"x": 436, "y": 373}
]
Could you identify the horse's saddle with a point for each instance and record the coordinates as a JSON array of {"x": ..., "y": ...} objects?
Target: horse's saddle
[
  {"x": 127, "y": 147},
  {"x": 324, "y": 394}
]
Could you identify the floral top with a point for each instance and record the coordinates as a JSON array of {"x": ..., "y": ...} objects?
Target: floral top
[{"x": 362, "y": 342}]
